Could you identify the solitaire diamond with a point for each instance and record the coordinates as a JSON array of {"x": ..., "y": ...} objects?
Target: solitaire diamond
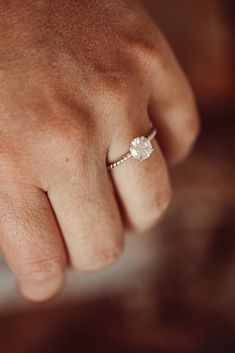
[{"x": 141, "y": 148}]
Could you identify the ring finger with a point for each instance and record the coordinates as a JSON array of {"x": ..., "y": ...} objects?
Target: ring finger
[{"x": 143, "y": 187}]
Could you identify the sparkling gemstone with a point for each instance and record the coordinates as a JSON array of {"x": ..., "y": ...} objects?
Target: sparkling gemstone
[{"x": 141, "y": 148}]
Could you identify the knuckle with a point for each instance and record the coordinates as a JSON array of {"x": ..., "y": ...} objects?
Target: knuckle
[
  {"x": 99, "y": 260},
  {"x": 42, "y": 270},
  {"x": 190, "y": 136},
  {"x": 191, "y": 126},
  {"x": 145, "y": 42},
  {"x": 163, "y": 200},
  {"x": 63, "y": 132},
  {"x": 193, "y": 123},
  {"x": 67, "y": 147},
  {"x": 108, "y": 256},
  {"x": 65, "y": 123},
  {"x": 195, "y": 129},
  {"x": 112, "y": 81},
  {"x": 148, "y": 54},
  {"x": 117, "y": 94},
  {"x": 158, "y": 207}
]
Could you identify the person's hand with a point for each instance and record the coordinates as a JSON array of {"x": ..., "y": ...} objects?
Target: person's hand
[{"x": 79, "y": 80}]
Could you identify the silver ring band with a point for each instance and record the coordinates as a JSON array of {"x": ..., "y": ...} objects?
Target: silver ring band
[{"x": 140, "y": 149}]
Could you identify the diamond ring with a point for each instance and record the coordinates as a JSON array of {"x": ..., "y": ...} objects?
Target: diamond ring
[{"x": 140, "y": 149}]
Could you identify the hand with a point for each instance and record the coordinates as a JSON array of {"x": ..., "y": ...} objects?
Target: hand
[{"x": 80, "y": 80}]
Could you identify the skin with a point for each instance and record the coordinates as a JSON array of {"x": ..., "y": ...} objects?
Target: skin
[{"x": 78, "y": 81}]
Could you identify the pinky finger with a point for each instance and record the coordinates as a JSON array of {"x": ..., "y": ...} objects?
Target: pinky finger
[{"x": 173, "y": 108}]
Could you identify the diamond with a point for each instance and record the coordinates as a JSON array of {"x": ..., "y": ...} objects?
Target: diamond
[{"x": 141, "y": 148}]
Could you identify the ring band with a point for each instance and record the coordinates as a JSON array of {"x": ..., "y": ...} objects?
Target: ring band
[{"x": 140, "y": 149}]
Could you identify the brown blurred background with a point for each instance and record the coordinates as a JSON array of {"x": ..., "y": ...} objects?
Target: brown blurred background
[{"x": 174, "y": 290}]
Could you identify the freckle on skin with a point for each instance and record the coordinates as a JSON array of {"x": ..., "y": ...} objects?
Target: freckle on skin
[{"x": 67, "y": 159}]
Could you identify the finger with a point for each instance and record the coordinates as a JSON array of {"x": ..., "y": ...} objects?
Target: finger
[
  {"x": 88, "y": 215},
  {"x": 143, "y": 187},
  {"x": 172, "y": 106},
  {"x": 31, "y": 241}
]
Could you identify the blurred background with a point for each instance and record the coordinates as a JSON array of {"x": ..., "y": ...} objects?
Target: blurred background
[{"x": 172, "y": 291}]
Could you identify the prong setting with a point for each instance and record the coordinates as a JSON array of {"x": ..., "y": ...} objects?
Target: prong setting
[{"x": 140, "y": 149}]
